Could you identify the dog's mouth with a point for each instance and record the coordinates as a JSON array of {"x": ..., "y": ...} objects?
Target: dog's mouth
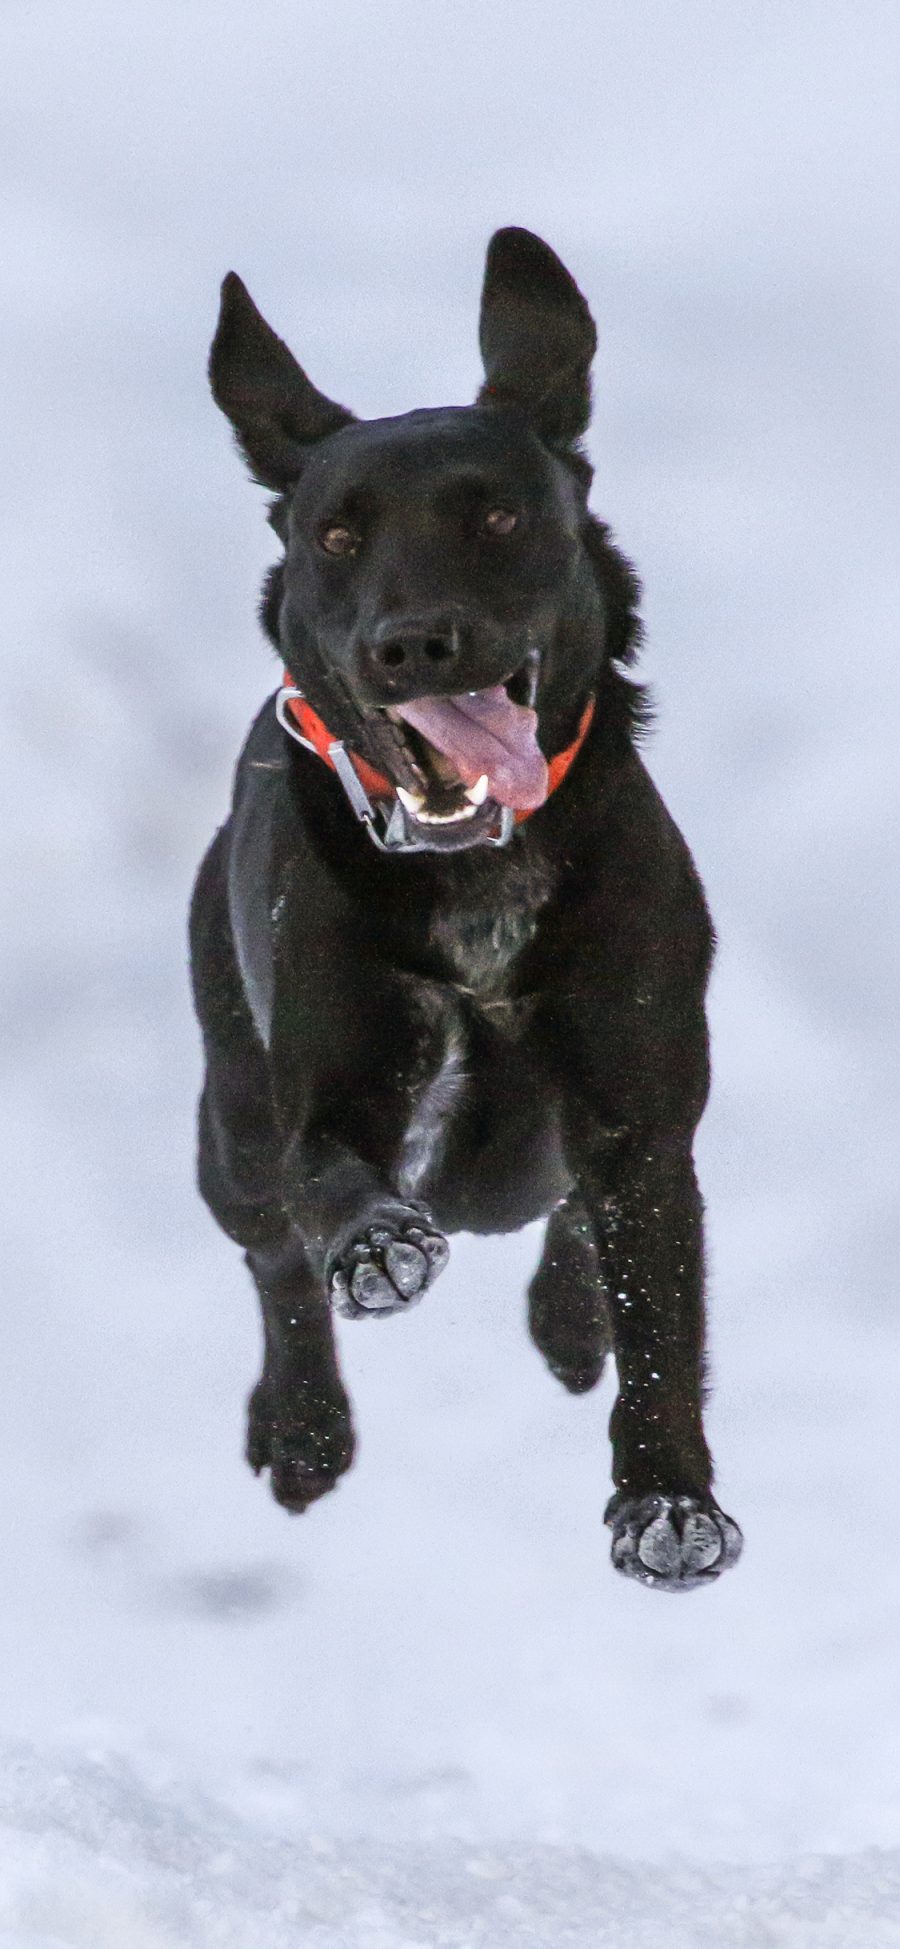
[{"x": 464, "y": 756}]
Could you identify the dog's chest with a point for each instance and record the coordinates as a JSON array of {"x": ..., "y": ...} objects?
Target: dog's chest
[
  {"x": 479, "y": 942},
  {"x": 480, "y": 938}
]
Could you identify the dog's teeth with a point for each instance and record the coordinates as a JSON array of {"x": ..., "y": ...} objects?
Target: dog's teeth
[
  {"x": 413, "y": 801},
  {"x": 477, "y": 793}
]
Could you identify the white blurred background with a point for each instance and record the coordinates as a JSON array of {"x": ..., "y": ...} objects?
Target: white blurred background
[{"x": 441, "y": 1648}]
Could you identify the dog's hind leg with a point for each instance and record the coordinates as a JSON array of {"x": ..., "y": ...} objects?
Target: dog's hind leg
[
  {"x": 668, "y": 1530},
  {"x": 567, "y": 1313},
  {"x": 299, "y": 1425}
]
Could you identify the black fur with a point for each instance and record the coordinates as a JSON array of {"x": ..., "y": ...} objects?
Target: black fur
[{"x": 400, "y": 1047}]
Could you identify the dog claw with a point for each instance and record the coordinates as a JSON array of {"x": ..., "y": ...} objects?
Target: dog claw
[{"x": 671, "y": 1542}]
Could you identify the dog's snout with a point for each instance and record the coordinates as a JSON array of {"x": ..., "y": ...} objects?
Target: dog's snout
[{"x": 414, "y": 650}]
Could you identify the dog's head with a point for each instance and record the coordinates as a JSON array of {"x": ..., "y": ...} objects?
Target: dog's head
[{"x": 446, "y": 602}]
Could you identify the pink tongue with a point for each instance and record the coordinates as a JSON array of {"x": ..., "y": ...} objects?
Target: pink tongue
[{"x": 484, "y": 731}]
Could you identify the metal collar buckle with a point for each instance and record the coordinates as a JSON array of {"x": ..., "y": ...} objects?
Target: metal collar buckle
[{"x": 385, "y": 823}]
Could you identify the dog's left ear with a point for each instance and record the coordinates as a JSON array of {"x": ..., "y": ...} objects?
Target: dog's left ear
[
  {"x": 537, "y": 336},
  {"x": 275, "y": 410}
]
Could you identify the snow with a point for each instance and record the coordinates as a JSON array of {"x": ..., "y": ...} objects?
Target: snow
[
  {"x": 428, "y": 1712},
  {"x": 96, "y": 1855}
]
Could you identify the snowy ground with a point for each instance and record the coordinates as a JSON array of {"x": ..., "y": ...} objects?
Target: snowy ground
[
  {"x": 428, "y": 1713},
  {"x": 98, "y": 1857}
]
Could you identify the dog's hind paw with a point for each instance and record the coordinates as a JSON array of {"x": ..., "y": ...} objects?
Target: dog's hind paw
[
  {"x": 672, "y": 1542},
  {"x": 387, "y": 1267},
  {"x": 305, "y": 1454}
]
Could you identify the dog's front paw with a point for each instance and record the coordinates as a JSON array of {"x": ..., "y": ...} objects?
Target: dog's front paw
[
  {"x": 672, "y": 1542},
  {"x": 387, "y": 1267}
]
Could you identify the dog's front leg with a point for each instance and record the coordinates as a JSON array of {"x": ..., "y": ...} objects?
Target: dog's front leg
[
  {"x": 348, "y": 1060},
  {"x": 641, "y": 1191}
]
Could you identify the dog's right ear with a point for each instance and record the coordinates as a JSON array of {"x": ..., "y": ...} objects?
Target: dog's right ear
[{"x": 275, "y": 410}]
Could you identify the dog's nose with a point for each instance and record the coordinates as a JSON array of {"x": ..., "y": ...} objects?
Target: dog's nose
[{"x": 414, "y": 651}]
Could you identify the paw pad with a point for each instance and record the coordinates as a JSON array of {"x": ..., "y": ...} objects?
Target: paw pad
[
  {"x": 386, "y": 1269},
  {"x": 672, "y": 1542}
]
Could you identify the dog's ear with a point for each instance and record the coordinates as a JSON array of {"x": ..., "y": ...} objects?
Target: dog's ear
[
  {"x": 537, "y": 336},
  {"x": 275, "y": 410}
]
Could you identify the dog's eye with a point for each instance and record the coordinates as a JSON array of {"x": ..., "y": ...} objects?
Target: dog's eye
[
  {"x": 337, "y": 539},
  {"x": 500, "y": 521}
]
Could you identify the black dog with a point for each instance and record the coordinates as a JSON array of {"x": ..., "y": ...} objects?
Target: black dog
[{"x": 495, "y": 1010}]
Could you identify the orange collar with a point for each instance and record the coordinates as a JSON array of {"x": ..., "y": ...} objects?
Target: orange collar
[{"x": 316, "y": 734}]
